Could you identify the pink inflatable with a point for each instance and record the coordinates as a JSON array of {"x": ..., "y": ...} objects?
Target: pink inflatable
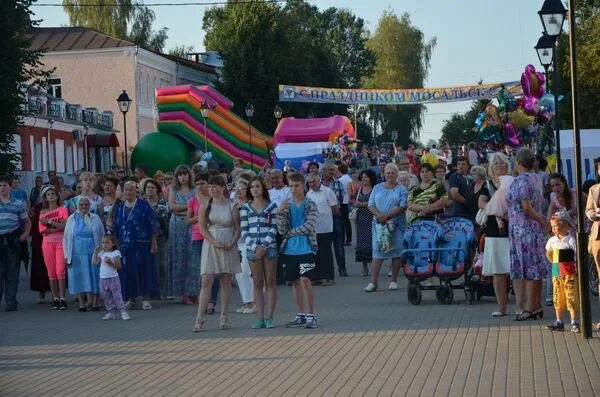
[{"x": 293, "y": 130}]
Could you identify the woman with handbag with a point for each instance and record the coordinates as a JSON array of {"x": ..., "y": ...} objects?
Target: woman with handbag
[
  {"x": 592, "y": 211},
  {"x": 364, "y": 221}
]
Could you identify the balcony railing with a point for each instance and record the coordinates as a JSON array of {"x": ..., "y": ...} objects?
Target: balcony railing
[
  {"x": 54, "y": 110},
  {"x": 44, "y": 107}
]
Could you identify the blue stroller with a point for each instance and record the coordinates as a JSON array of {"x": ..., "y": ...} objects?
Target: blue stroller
[{"x": 437, "y": 249}]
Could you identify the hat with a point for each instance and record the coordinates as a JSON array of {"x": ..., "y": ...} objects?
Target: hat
[{"x": 46, "y": 189}]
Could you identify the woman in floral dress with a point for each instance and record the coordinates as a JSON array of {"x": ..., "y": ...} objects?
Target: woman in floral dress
[
  {"x": 527, "y": 232},
  {"x": 180, "y": 233}
]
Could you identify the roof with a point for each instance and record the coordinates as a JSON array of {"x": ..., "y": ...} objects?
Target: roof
[
  {"x": 73, "y": 38},
  {"x": 81, "y": 38}
]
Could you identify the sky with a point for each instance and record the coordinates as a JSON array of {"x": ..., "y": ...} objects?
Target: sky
[{"x": 477, "y": 40}]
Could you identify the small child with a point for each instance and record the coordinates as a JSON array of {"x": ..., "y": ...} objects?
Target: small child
[
  {"x": 109, "y": 259},
  {"x": 560, "y": 251}
]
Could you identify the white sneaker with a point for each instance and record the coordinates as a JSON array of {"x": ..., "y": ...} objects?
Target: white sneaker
[
  {"x": 240, "y": 310},
  {"x": 370, "y": 287},
  {"x": 393, "y": 286},
  {"x": 125, "y": 316},
  {"x": 170, "y": 298},
  {"x": 146, "y": 305},
  {"x": 249, "y": 310},
  {"x": 109, "y": 316}
]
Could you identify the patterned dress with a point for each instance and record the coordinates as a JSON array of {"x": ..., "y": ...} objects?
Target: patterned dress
[
  {"x": 180, "y": 250},
  {"x": 386, "y": 200},
  {"x": 526, "y": 235},
  {"x": 364, "y": 230},
  {"x": 134, "y": 227}
]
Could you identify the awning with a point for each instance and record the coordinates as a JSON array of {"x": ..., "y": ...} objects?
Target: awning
[{"x": 103, "y": 140}]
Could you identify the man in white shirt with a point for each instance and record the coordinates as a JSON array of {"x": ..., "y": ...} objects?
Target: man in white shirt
[
  {"x": 327, "y": 205},
  {"x": 345, "y": 180},
  {"x": 473, "y": 155},
  {"x": 279, "y": 192}
]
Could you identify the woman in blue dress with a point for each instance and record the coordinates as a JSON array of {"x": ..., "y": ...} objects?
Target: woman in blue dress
[
  {"x": 388, "y": 206},
  {"x": 136, "y": 230},
  {"x": 180, "y": 236},
  {"x": 83, "y": 233}
]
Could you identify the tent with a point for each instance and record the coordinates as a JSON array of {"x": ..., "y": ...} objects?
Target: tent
[{"x": 590, "y": 149}]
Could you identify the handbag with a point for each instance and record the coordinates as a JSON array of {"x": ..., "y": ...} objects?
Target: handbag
[
  {"x": 481, "y": 217},
  {"x": 353, "y": 214}
]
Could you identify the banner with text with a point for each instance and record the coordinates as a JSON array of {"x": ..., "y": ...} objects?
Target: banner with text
[{"x": 410, "y": 96}]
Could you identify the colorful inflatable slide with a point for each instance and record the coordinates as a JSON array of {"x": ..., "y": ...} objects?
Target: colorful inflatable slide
[
  {"x": 228, "y": 135},
  {"x": 299, "y": 141}
]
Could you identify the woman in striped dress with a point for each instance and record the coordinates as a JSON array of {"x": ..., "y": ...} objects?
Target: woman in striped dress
[{"x": 259, "y": 230}]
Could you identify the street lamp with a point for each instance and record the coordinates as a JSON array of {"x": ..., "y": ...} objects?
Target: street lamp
[
  {"x": 204, "y": 110},
  {"x": 278, "y": 112},
  {"x": 124, "y": 102},
  {"x": 249, "y": 110},
  {"x": 552, "y": 16},
  {"x": 584, "y": 286}
]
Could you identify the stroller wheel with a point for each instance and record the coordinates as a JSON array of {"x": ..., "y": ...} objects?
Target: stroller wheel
[
  {"x": 445, "y": 294},
  {"x": 469, "y": 295},
  {"x": 414, "y": 294}
]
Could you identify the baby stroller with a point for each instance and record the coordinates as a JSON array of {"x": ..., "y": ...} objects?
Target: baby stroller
[{"x": 437, "y": 249}]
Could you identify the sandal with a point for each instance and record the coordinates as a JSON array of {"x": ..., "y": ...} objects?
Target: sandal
[
  {"x": 224, "y": 323},
  {"x": 523, "y": 316},
  {"x": 199, "y": 324},
  {"x": 539, "y": 312},
  {"x": 210, "y": 310}
]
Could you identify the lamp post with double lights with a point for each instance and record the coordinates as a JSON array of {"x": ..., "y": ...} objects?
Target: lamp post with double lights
[
  {"x": 552, "y": 16},
  {"x": 124, "y": 103},
  {"x": 249, "y": 110},
  {"x": 205, "y": 110}
]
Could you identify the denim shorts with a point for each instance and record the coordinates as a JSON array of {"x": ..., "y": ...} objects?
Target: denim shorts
[{"x": 270, "y": 254}]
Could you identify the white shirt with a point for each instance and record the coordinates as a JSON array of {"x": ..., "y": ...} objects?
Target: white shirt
[
  {"x": 278, "y": 196},
  {"x": 473, "y": 159},
  {"x": 344, "y": 181},
  {"x": 324, "y": 198},
  {"x": 106, "y": 270}
]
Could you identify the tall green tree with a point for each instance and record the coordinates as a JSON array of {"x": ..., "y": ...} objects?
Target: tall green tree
[
  {"x": 116, "y": 20},
  {"x": 19, "y": 65},
  {"x": 264, "y": 44},
  {"x": 403, "y": 59}
]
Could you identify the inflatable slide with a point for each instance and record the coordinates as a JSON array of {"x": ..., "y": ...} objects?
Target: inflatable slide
[
  {"x": 228, "y": 135},
  {"x": 300, "y": 141}
]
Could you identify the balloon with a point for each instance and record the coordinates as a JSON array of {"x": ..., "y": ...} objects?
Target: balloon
[
  {"x": 492, "y": 117},
  {"x": 430, "y": 158},
  {"x": 519, "y": 119},
  {"x": 547, "y": 103},
  {"x": 511, "y": 135},
  {"x": 207, "y": 156},
  {"x": 531, "y": 105},
  {"x": 502, "y": 98},
  {"x": 511, "y": 105},
  {"x": 479, "y": 120},
  {"x": 531, "y": 131}
]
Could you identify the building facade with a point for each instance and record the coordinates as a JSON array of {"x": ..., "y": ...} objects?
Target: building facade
[{"x": 91, "y": 67}]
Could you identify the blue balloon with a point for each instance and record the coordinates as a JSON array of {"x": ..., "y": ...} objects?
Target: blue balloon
[
  {"x": 547, "y": 103},
  {"x": 207, "y": 156}
]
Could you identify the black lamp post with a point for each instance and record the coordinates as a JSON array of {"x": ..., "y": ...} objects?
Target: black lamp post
[
  {"x": 278, "y": 112},
  {"x": 124, "y": 102},
  {"x": 204, "y": 110},
  {"x": 584, "y": 286},
  {"x": 552, "y": 16},
  {"x": 249, "y": 110}
]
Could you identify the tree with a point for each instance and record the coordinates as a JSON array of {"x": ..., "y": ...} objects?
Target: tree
[
  {"x": 264, "y": 44},
  {"x": 114, "y": 20},
  {"x": 181, "y": 50},
  {"x": 460, "y": 128},
  {"x": 403, "y": 60},
  {"x": 24, "y": 67},
  {"x": 588, "y": 67}
]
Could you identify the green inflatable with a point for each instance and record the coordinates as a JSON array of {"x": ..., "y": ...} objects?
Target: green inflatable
[{"x": 160, "y": 151}]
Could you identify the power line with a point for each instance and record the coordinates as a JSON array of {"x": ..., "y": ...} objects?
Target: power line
[{"x": 199, "y": 3}]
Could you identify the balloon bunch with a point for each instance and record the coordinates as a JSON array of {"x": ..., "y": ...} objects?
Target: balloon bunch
[{"x": 515, "y": 119}]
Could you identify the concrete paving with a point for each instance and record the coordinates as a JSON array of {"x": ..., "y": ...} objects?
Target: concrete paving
[{"x": 366, "y": 344}]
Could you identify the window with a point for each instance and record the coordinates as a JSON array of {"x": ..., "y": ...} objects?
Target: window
[
  {"x": 147, "y": 96},
  {"x": 54, "y": 87},
  {"x": 37, "y": 156},
  {"x": 80, "y": 163},
  {"x": 69, "y": 159},
  {"x": 52, "y": 158},
  {"x": 60, "y": 155}
]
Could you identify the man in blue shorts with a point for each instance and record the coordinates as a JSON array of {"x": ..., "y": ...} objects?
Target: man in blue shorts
[{"x": 296, "y": 222}]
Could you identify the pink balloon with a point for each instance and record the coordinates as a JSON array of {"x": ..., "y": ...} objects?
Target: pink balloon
[{"x": 511, "y": 135}]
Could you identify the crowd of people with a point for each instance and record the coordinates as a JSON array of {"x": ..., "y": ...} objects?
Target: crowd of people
[{"x": 190, "y": 235}]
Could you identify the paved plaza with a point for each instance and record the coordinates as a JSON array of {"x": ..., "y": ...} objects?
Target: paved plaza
[{"x": 366, "y": 344}]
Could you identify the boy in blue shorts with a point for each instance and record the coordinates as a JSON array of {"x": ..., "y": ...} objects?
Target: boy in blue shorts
[{"x": 296, "y": 221}]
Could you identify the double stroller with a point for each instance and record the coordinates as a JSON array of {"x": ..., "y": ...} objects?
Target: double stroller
[{"x": 439, "y": 249}]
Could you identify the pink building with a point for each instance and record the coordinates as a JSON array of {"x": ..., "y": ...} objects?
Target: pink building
[{"x": 93, "y": 68}]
